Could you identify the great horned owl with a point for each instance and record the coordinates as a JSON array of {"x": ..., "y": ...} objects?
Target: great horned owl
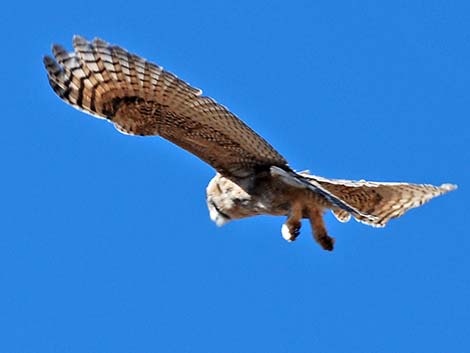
[{"x": 140, "y": 98}]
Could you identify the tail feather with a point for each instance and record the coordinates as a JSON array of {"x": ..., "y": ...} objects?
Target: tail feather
[
  {"x": 298, "y": 180},
  {"x": 382, "y": 201},
  {"x": 341, "y": 215}
]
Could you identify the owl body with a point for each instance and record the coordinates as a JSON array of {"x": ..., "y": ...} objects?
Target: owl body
[
  {"x": 267, "y": 193},
  {"x": 141, "y": 98},
  {"x": 236, "y": 198}
]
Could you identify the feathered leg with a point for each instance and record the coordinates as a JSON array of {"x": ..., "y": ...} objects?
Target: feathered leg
[
  {"x": 320, "y": 234},
  {"x": 291, "y": 229}
]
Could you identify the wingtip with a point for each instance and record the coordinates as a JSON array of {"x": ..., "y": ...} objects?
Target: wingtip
[
  {"x": 100, "y": 42},
  {"x": 50, "y": 64},
  {"x": 58, "y": 50},
  {"x": 78, "y": 40},
  {"x": 47, "y": 60},
  {"x": 448, "y": 187}
]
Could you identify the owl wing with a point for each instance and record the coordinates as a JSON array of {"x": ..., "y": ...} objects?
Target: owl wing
[
  {"x": 141, "y": 98},
  {"x": 381, "y": 201}
]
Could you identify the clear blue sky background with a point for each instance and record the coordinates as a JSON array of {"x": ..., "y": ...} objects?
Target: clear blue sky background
[{"x": 106, "y": 244}]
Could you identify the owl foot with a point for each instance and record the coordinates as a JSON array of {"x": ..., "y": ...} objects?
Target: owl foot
[
  {"x": 290, "y": 230},
  {"x": 320, "y": 234},
  {"x": 326, "y": 242}
]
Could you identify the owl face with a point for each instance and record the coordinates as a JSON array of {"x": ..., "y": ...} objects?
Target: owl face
[
  {"x": 216, "y": 214},
  {"x": 227, "y": 200}
]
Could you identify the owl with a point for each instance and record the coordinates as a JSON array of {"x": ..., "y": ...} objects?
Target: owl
[{"x": 252, "y": 178}]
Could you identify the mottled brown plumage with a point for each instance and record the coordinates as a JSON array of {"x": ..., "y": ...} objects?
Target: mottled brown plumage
[{"x": 140, "y": 98}]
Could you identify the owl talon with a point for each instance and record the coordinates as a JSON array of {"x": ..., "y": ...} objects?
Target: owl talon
[
  {"x": 326, "y": 242},
  {"x": 290, "y": 232}
]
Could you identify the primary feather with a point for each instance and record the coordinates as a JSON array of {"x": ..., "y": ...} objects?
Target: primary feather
[{"x": 141, "y": 98}]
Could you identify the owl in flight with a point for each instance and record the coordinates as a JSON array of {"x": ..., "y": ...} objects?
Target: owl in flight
[{"x": 141, "y": 98}]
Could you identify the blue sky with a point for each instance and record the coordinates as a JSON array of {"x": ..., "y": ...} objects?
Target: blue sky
[{"x": 106, "y": 244}]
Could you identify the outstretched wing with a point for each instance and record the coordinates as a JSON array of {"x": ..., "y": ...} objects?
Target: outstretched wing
[
  {"x": 382, "y": 201},
  {"x": 140, "y": 98}
]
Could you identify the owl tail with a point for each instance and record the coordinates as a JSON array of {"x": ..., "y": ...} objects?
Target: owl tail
[{"x": 380, "y": 202}]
